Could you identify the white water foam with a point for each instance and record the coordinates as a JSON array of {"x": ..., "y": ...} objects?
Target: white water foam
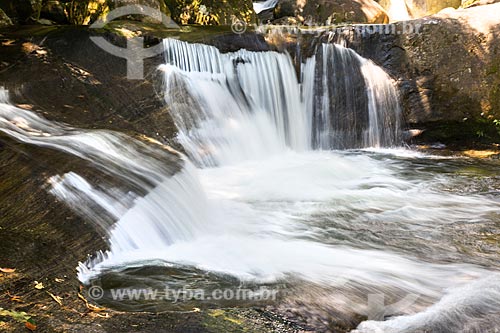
[
  {"x": 250, "y": 105},
  {"x": 269, "y": 199}
]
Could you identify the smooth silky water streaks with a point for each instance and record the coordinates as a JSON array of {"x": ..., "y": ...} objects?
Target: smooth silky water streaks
[
  {"x": 167, "y": 182},
  {"x": 249, "y": 105},
  {"x": 305, "y": 219},
  {"x": 260, "y": 6},
  {"x": 235, "y": 106},
  {"x": 306, "y": 215},
  {"x": 470, "y": 308},
  {"x": 321, "y": 222},
  {"x": 354, "y": 103}
]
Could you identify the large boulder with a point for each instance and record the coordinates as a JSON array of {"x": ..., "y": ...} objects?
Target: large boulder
[
  {"x": 448, "y": 68},
  {"x": 158, "y": 5},
  {"x": 421, "y": 8},
  {"x": 55, "y": 11},
  {"x": 321, "y": 12},
  {"x": 416, "y": 8},
  {"x": 339, "y": 11},
  {"x": 22, "y": 11}
]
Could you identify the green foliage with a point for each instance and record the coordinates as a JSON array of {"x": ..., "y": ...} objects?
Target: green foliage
[
  {"x": 21, "y": 317},
  {"x": 210, "y": 12},
  {"x": 468, "y": 3},
  {"x": 488, "y": 127},
  {"x": 85, "y": 12}
]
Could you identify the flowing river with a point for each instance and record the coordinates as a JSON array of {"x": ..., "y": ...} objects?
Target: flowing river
[{"x": 295, "y": 180}]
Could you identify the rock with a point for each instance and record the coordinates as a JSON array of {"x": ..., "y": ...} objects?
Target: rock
[
  {"x": 22, "y": 11},
  {"x": 5, "y": 21},
  {"x": 54, "y": 10},
  {"x": 397, "y": 10},
  {"x": 287, "y": 8},
  {"x": 159, "y": 6},
  {"x": 43, "y": 21},
  {"x": 340, "y": 11},
  {"x": 321, "y": 12},
  {"x": 417, "y": 8},
  {"x": 211, "y": 12},
  {"x": 421, "y": 8},
  {"x": 448, "y": 70}
]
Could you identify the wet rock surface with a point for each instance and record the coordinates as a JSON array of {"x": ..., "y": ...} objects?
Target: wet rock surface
[{"x": 447, "y": 70}]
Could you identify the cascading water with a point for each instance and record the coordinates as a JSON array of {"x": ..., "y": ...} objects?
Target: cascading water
[
  {"x": 355, "y": 104},
  {"x": 231, "y": 107},
  {"x": 260, "y": 6},
  {"x": 274, "y": 204},
  {"x": 235, "y": 106},
  {"x": 147, "y": 171}
]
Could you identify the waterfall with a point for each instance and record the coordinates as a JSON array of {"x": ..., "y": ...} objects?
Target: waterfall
[
  {"x": 242, "y": 105},
  {"x": 271, "y": 202},
  {"x": 235, "y": 106},
  {"x": 355, "y": 104},
  {"x": 260, "y": 6},
  {"x": 155, "y": 209}
]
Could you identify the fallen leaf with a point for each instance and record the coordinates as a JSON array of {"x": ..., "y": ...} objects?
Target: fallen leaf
[
  {"x": 95, "y": 308},
  {"x": 196, "y": 310},
  {"x": 14, "y": 298},
  {"x": 101, "y": 315},
  {"x": 89, "y": 306},
  {"x": 30, "y": 324},
  {"x": 55, "y": 298},
  {"x": 39, "y": 285},
  {"x": 7, "y": 270},
  {"x": 59, "y": 280}
]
